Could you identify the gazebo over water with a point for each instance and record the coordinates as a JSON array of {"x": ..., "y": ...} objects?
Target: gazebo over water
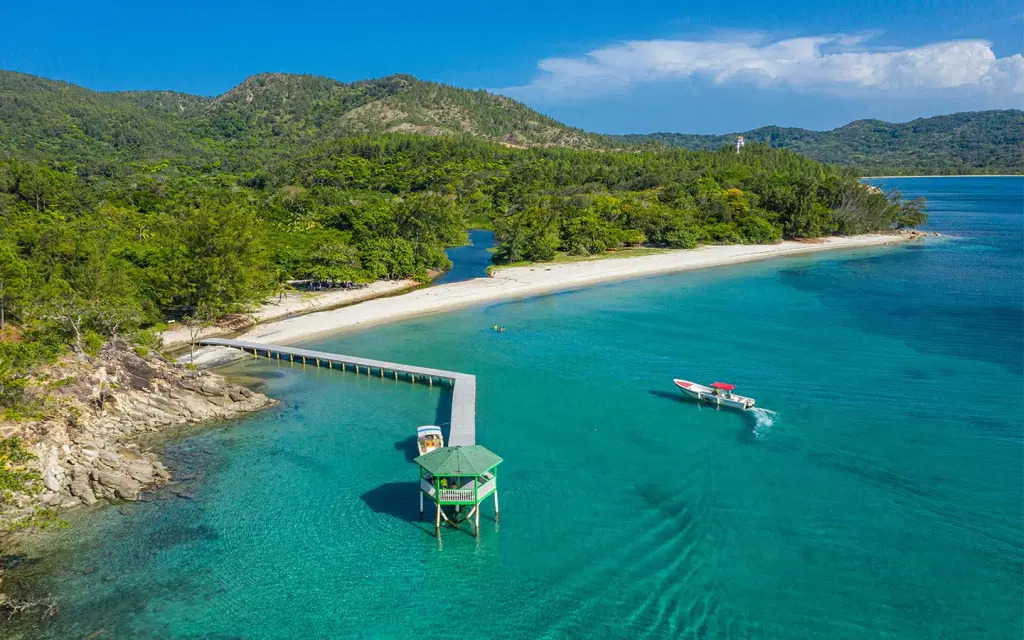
[{"x": 459, "y": 476}]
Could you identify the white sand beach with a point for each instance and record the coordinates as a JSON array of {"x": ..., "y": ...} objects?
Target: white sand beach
[
  {"x": 292, "y": 304},
  {"x": 521, "y": 282}
]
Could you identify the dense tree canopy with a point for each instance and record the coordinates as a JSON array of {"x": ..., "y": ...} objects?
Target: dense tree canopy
[
  {"x": 168, "y": 238},
  {"x": 119, "y": 211}
]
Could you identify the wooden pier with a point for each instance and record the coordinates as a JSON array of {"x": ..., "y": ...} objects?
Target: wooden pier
[{"x": 462, "y": 429}]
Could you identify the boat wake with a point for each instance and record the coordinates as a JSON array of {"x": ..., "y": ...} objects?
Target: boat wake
[{"x": 764, "y": 420}]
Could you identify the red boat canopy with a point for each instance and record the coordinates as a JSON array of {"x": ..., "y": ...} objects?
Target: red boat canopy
[{"x": 723, "y": 386}]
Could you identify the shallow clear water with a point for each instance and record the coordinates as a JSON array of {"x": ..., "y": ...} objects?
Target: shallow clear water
[
  {"x": 471, "y": 260},
  {"x": 881, "y": 495}
]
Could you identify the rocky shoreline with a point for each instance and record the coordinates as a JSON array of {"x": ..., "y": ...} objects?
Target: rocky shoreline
[
  {"x": 915, "y": 234},
  {"x": 85, "y": 450}
]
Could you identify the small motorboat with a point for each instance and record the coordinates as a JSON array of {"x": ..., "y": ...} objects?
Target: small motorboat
[
  {"x": 429, "y": 438},
  {"x": 719, "y": 394}
]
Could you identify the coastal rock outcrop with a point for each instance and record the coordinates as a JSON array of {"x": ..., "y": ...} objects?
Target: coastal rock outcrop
[
  {"x": 915, "y": 234},
  {"x": 84, "y": 449}
]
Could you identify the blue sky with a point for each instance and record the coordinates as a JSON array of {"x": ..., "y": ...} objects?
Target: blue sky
[{"x": 605, "y": 66}]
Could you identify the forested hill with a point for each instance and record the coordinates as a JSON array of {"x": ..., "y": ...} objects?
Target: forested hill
[
  {"x": 267, "y": 115},
  {"x": 271, "y": 115},
  {"x": 960, "y": 143}
]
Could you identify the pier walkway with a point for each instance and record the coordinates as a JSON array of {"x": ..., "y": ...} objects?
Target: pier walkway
[{"x": 462, "y": 430}]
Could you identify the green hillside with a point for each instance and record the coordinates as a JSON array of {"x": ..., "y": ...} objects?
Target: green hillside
[
  {"x": 959, "y": 143},
  {"x": 267, "y": 115},
  {"x": 73, "y": 126}
]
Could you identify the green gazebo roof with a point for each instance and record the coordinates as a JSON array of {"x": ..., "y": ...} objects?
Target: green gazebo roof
[{"x": 473, "y": 460}]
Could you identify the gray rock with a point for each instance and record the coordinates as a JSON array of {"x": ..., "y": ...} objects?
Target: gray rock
[
  {"x": 117, "y": 481},
  {"x": 141, "y": 471},
  {"x": 211, "y": 388},
  {"x": 80, "y": 486},
  {"x": 53, "y": 472},
  {"x": 110, "y": 457},
  {"x": 88, "y": 497},
  {"x": 127, "y": 493}
]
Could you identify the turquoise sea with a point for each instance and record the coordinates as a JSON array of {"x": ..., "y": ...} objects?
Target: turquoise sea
[{"x": 881, "y": 496}]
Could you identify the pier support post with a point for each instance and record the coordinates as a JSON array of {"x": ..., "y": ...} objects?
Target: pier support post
[
  {"x": 497, "y": 515},
  {"x": 476, "y": 525},
  {"x": 437, "y": 519},
  {"x": 396, "y": 374},
  {"x": 421, "y": 505}
]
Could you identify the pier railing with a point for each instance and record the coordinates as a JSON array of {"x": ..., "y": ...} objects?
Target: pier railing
[
  {"x": 458, "y": 495},
  {"x": 462, "y": 430}
]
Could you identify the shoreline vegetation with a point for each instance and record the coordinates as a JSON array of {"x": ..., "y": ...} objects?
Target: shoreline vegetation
[{"x": 535, "y": 279}]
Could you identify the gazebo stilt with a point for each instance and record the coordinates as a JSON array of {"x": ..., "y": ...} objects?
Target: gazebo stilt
[
  {"x": 497, "y": 515},
  {"x": 421, "y": 505}
]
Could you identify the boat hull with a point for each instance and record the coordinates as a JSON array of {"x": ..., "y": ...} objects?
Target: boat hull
[{"x": 706, "y": 395}]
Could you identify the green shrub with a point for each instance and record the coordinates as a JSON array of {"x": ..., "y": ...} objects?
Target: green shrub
[{"x": 92, "y": 342}]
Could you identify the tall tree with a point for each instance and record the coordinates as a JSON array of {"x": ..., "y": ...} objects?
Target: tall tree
[{"x": 13, "y": 280}]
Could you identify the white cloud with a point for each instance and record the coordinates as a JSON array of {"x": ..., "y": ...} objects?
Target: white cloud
[{"x": 837, "y": 63}]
